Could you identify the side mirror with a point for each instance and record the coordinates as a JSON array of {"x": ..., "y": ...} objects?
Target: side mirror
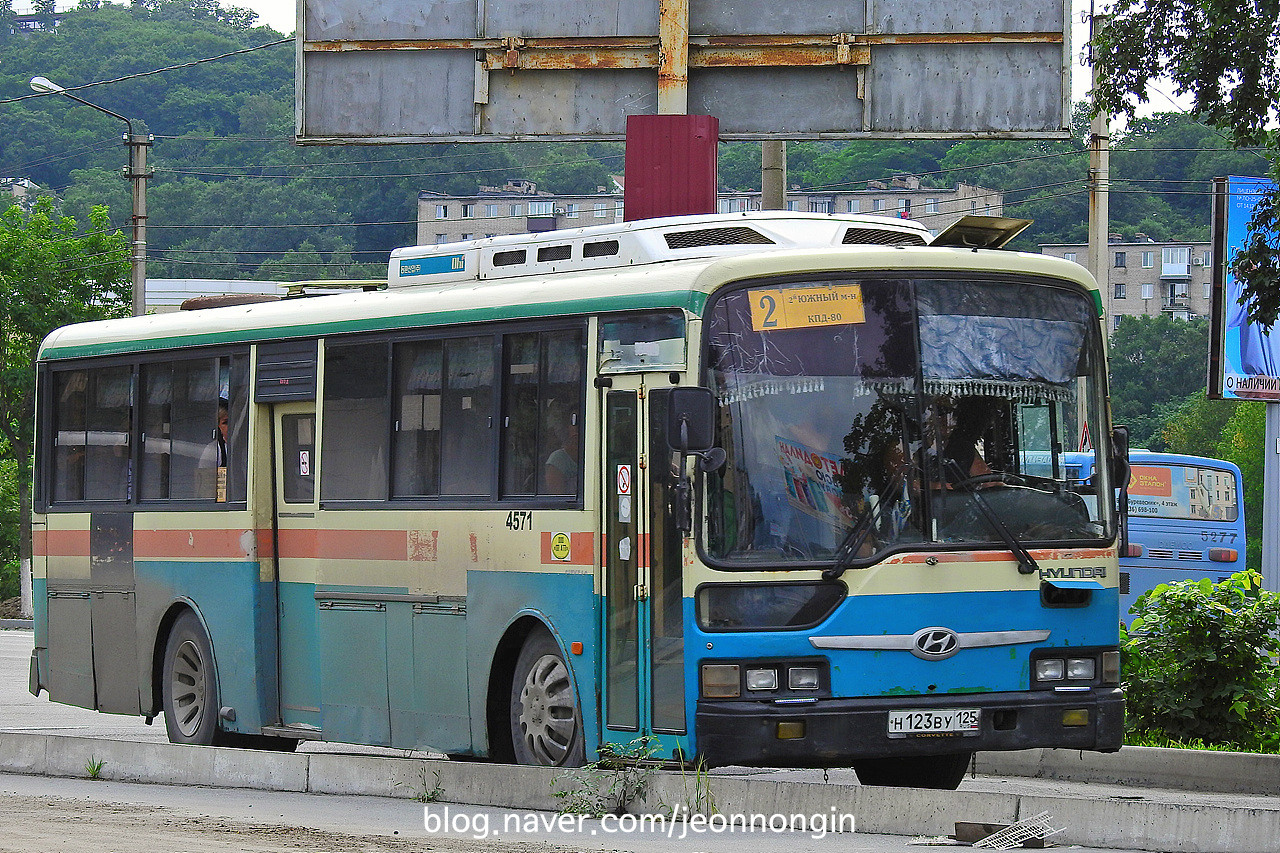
[
  {"x": 1120, "y": 478},
  {"x": 1120, "y": 456},
  {"x": 691, "y": 412}
]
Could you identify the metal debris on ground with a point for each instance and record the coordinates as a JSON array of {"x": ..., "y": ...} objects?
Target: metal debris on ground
[
  {"x": 936, "y": 841},
  {"x": 1014, "y": 835}
]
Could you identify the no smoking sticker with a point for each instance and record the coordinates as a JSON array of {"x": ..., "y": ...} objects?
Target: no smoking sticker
[
  {"x": 624, "y": 479},
  {"x": 560, "y": 547}
]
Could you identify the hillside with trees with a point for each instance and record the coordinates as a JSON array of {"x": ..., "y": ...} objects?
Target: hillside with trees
[{"x": 233, "y": 197}]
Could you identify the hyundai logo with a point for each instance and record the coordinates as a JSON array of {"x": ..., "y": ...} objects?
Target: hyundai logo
[{"x": 935, "y": 643}]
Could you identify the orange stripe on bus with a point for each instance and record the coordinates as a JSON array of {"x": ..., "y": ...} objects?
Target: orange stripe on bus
[
  {"x": 159, "y": 544},
  {"x": 60, "y": 543}
]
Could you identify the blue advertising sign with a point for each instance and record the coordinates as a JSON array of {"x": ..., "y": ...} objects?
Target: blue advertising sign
[{"x": 1250, "y": 356}]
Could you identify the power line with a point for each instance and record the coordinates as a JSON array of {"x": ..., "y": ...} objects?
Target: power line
[{"x": 135, "y": 76}]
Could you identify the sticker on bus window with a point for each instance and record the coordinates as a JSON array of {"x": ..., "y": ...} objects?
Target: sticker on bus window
[{"x": 802, "y": 307}]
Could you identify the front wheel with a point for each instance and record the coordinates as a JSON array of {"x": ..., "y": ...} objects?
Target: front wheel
[
  {"x": 546, "y": 726},
  {"x": 944, "y": 772},
  {"x": 188, "y": 684}
]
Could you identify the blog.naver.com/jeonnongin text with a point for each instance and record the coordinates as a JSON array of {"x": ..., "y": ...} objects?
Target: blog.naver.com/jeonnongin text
[{"x": 679, "y": 824}]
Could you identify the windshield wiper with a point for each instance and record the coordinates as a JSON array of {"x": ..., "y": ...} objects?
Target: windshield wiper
[
  {"x": 846, "y": 553},
  {"x": 1026, "y": 563}
]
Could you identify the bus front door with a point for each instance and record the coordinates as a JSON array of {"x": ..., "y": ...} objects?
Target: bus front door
[
  {"x": 643, "y": 662},
  {"x": 293, "y": 442}
]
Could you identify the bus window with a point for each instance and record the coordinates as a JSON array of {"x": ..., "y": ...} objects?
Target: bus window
[
  {"x": 466, "y": 416},
  {"x": 356, "y": 420}
]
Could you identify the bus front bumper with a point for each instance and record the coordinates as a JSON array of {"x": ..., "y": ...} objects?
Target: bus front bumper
[{"x": 835, "y": 732}]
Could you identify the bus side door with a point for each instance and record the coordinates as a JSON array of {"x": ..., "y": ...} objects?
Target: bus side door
[{"x": 643, "y": 616}]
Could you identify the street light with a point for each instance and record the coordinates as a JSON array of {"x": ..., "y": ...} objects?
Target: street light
[{"x": 137, "y": 173}]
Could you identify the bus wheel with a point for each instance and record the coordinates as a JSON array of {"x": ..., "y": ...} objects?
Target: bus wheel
[
  {"x": 188, "y": 684},
  {"x": 546, "y": 727},
  {"x": 944, "y": 772}
]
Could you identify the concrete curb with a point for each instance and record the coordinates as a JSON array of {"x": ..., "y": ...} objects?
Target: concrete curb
[
  {"x": 897, "y": 811},
  {"x": 1181, "y": 769},
  {"x": 15, "y": 624}
]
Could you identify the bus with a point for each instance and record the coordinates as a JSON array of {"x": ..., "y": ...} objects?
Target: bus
[
  {"x": 682, "y": 480},
  {"x": 1186, "y": 520}
]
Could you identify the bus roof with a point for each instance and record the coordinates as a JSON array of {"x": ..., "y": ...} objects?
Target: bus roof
[{"x": 665, "y": 263}]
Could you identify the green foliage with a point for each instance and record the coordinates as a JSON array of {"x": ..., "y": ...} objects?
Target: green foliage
[
  {"x": 1200, "y": 661},
  {"x": 93, "y": 768},
  {"x": 1194, "y": 425},
  {"x": 9, "y": 528},
  {"x": 612, "y": 783},
  {"x": 1223, "y": 55},
  {"x": 1154, "y": 362}
]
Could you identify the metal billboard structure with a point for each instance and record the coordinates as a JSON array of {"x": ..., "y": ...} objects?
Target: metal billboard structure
[{"x": 508, "y": 70}]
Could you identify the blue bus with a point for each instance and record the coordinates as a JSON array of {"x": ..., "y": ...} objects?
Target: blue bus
[
  {"x": 1186, "y": 520},
  {"x": 750, "y": 487}
]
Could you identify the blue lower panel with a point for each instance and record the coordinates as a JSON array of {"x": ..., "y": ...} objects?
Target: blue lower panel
[
  {"x": 565, "y": 603},
  {"x": 353, "y": 674},
  {"x": 299, "y": 658},
  {"x": 870, "y": 673},
  {"x": 427, "y": 665},
  {"x": 238, "y": 611}
]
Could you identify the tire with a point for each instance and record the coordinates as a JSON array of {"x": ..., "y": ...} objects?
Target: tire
[
  {"x": 943, "y": 772},
  {"x": 546, "y": 724},
  {"x": 189, "y": 684}
]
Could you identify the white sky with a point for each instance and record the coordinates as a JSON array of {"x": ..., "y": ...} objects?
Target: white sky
[{"x": 278, "y": 14}]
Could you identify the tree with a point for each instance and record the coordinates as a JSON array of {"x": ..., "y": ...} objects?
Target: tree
[
  {"x": 1154, "y": 361},
  {"x": 1223, "y": 55},
  {"x": 1195, "y": 426},
  {"x": 50, "y": 275}
]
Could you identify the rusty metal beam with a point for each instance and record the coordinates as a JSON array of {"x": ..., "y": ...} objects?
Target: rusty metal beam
[
  {"x": 695, "y": 42},
  {"x": 673, "y": 53}
]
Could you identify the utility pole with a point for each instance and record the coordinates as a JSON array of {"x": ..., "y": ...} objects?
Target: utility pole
[
  {"x": 136, "y": 172},
  {"x": 1099, "y": 185},
  {"x": 773, "y": 175}
]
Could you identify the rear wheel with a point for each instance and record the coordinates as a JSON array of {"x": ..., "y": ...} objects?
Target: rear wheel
[
  {"x": 546, "y": 726},
  {"x": 189, "y": 685},
  {"x": 923, "y": 771}
]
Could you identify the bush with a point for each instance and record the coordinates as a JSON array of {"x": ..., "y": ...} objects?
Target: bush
[{"x": 1200, "y": 662}]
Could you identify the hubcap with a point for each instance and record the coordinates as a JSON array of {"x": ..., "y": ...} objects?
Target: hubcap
[
  {"x": 187, "y": 687},
  {"x": 547, "y": 719}
]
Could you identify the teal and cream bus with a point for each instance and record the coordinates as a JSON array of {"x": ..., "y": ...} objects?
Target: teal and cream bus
[{"x": 747, "y": 485}]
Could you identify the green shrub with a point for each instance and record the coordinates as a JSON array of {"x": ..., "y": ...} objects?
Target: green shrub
[
  {"x": 1200, "y": 662},
  {"x": 9, "y": 580}
]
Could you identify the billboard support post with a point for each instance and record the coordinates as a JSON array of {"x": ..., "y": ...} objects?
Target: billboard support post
[
  {"x": 670, "y": 166},
  {"x": 1271, "y": 494}
]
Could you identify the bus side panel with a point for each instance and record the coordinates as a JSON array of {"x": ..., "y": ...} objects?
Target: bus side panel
[
  {"x": 68, "y": 667},
  {"x": 238, "y": 611},
  {"x": 565, "y": 602}
]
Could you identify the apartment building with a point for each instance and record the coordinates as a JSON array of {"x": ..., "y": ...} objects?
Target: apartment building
[
  {"x": 1146, "y": 278},
  {"x": 519, "y": 207}
]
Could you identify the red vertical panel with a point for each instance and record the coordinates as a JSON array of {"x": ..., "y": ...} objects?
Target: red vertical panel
[{"x": 671, "y": 166}]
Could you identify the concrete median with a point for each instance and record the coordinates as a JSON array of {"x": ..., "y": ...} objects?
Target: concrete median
[{"x": 1099, "y": 821}]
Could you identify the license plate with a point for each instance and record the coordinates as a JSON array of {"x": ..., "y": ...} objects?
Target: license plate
[{"x": 947, "y": 721}]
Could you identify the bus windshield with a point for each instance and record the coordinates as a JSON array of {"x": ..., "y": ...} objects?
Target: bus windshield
[{"x": 871, "y": 415}]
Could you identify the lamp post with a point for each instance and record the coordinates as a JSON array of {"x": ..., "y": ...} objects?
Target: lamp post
[{"x": 136, "y": 172}]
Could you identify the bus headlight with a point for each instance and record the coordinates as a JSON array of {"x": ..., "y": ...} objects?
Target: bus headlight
[
  {"x": 762, "y": 679},
  {"x": 721, "y": 681},
  {"x": 1049, "y": 669},
  {"x": 1081, "y": 668},
  {"x": 803, "y": 678}
]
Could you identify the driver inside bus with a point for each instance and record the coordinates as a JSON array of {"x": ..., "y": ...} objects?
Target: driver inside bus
[{"x": 961, "y": 460}]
